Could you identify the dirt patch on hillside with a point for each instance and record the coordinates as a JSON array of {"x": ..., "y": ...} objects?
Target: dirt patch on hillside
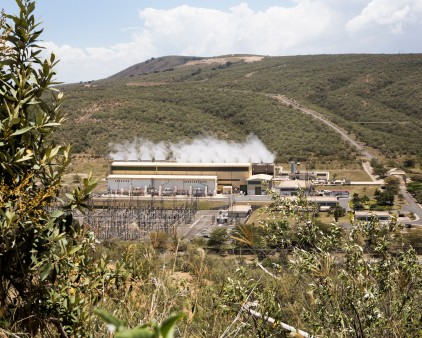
[
  {"x": 144, "y": 84},
  {"x": 87, "y": 112},
  {"x": 224, "y": 60},
  {"x": 250, "y": 74}
]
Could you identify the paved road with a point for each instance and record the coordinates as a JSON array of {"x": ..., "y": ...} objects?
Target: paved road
[
  {"x": 290, "y": 102},
  {"x": 416, "y": 208},
  {"x": 204, "y": 221}
]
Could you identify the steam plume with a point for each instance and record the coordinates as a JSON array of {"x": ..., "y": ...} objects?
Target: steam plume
[{"x": 205, "y": 150}]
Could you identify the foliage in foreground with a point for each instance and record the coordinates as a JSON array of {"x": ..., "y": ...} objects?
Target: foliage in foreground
[
  {"x": 53, "y": 273},
  {"x": 50, "y": 277},
  {"x": 364, "y": 283}
]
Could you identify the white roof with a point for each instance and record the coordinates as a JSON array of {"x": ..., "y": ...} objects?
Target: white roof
[
  {"x": 240, "y": 208},
  {"x": 176, "y": 164},
  {"x": 260, "y": 177},
  {"x": 315, "y": 199},
  {"x": 293, "y": 184},
  {"x": 322, "y": 198},
  {"x": 396, "y": 171},
  {"x": 369, "y": 213},
  {"x": 166, "y": 177}
]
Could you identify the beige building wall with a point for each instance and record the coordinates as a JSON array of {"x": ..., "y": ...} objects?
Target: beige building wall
[{"x": 228, "y": 174}]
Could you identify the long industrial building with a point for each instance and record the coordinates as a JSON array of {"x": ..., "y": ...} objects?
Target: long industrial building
[{"x": 210, "y": 178}]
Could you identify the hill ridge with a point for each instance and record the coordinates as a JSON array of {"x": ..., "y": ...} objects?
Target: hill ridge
[{"x": 169, "y": 62}]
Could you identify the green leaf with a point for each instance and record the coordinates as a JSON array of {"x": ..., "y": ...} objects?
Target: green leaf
[
  {"x": 90, "y": 187},
  {"x": 46, "y": 271},
  {"x": 51, "y": 124},
  {"x": 70, "y": 196},
  {"x": 56, "y": 214},
  {"x": 136, "y": 333},
  {"x": 24, "y": 158},
  {"x": 22, "y": 131},
  {"x": 110, "y": 319},
  {"x": 74, "y": 249},
  {"x": 168, "y": 325}
]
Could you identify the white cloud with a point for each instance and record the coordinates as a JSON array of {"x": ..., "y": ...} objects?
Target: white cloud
[
  {"x": 83, "y": 64},
  {"x": 198, "y": 31},
  {"x": 307, "y": 27},
  {"x": 393, "y": 14}
]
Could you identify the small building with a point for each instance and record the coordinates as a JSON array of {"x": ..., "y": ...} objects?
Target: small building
[
  {"x": 367, "y": 215},
  {"x": 398, "y": 173},
  {"x": 336, "y": 193},
  {"x": 317, "y": 176},
  {"x": 324, "y": 202},
  {"x": 296, "y": 173},
  {"x": 258, "y": 184},
  {"x": 237, "y": 213},
  {"x": 291, "y": 188}
]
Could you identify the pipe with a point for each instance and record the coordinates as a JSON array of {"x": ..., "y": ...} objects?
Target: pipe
[{"x": 272, "y": 321}]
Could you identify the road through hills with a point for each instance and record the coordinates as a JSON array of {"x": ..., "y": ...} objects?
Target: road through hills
[
  {"x": 416, "y": 208},
  {"x": 291, "y": 102}
]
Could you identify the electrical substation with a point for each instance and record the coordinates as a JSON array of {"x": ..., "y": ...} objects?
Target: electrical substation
[{"x": 162, "y": 197}]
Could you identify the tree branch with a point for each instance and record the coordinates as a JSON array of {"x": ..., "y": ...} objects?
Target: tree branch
[{"x": 59, "y": 326}]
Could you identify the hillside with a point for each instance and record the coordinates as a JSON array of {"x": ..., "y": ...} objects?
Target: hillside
[
  {"x": 154, "y": 65},
  {"x": 168, "y": 63},
  {"x": 375, "y": 97}
]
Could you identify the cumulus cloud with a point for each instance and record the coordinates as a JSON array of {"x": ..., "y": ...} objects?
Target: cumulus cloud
[
  {"x": 393, "y": 14},
  {"x": 84, "y": 64},
  {"x": 201, "y": 150},
  {"x": 305, "y": 27},
  {"x": 199, "y": 31}
]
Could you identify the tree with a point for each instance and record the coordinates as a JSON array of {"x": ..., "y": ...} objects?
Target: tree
[
  {"x": 378, "y": 167},
  {"x": 392, "y": 184},
  {"x": 385, "y": 198},
  {"x": 337, "y": 212},
  {"x": 218, "y": 237},
  {"x": 409, "y": 163},
  {"x": 41, "y": 246},
  {"x": 349, "y": 295}
]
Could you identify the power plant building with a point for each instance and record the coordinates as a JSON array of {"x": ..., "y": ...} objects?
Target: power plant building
[
  {"x": 185, "y": 176},
  {"x": 163, "y": 184}
]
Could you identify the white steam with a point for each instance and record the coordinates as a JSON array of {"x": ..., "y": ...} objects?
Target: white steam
[{"x": 204, "y": 150}]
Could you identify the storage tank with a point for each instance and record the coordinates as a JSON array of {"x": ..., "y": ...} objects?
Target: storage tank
[{"x": 292, "y": 167}]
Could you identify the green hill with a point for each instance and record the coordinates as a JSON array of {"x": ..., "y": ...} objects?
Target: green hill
[{"x": 375, "y": 97}]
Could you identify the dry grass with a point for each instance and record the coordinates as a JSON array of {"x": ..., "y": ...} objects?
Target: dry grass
[
  {"x": 82, "y": 165},
  {"x": 348, "y": 174}
]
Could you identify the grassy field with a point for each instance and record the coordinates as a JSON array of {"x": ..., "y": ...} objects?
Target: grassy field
[{"x": 350, "y": 174}]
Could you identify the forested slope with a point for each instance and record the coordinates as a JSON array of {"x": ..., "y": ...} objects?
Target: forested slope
[{"x": 376, "y": 97}]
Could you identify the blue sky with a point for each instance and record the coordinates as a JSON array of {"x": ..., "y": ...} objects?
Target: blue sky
[{"x": 95, "y": 39}]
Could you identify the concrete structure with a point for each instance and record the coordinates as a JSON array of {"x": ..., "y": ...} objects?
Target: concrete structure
[
  {"x": 296, "y": 173},
  {"x": 291, "y": 188},
  {"x": 398, "y": 173},
  {"x": 324, "y": 202},
  {"x": 158, "y": 184},
  {"x": 235, "y": 212},
  {"x": 228, "y": 174},
  {"x": 336, "y": 193},
  {"x": 258, "y": 184},
  {"x": 367, "y": 215}
]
